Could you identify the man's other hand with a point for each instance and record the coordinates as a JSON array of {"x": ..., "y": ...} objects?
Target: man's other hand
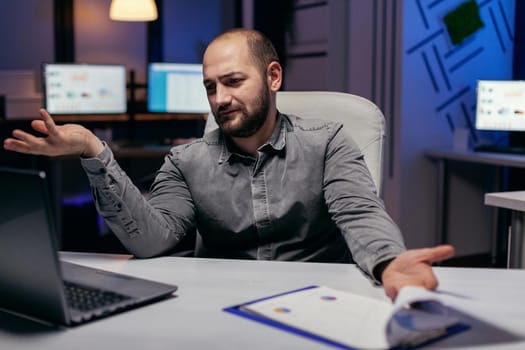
[{"x": 414, "y": 268}]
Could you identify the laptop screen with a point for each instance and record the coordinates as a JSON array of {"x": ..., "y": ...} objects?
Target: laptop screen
[
  {"x": 29, "y": 278},
  {"x": 32, "y": 276}
]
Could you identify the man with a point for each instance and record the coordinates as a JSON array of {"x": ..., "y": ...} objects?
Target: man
[{"x": 263, "y": 186}]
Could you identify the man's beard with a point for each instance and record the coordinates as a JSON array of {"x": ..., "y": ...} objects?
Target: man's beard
[{"x": 249, "y": 123}]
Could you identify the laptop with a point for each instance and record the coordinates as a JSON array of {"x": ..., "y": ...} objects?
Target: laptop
[{"x": 35, "y": 283}]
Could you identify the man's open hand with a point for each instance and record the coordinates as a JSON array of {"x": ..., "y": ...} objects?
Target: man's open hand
[
  {"x": 68, "y": 139},
  {"x": 414, "y": 268}
]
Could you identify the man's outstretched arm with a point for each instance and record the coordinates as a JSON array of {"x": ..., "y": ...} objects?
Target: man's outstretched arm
[
  {"x": 143, "y": 229},
  {"x": 58, "y": 140},
  {"x": 414, "y": 268}
]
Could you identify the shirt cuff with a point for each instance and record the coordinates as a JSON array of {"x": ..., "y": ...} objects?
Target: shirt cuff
[
  {"x": 97, "y": 165},
  {"x": 378, "y": 269}
]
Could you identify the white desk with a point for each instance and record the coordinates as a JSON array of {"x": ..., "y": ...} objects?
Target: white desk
[
  {"x": 442, "y": 157},
  {"x": 515, "y": 201},
  {"x": 195, "y": 320}
]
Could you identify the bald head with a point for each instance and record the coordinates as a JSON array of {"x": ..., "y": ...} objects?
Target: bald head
[{"x": 261, "y": 50}]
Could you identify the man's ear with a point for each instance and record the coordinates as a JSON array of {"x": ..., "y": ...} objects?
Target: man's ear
[{"x": 274, "y": 76}]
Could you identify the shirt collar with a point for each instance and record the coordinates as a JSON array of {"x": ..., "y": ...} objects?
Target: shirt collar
[{"x": 276, "y": 142}]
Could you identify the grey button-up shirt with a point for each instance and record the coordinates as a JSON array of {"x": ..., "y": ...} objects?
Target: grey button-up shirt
[{"x": 308, "y": 196}]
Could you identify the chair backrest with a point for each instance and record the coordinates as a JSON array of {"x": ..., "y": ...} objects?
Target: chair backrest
[{"x": 362, "y": 120}]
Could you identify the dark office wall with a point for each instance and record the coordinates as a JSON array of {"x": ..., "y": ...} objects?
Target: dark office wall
[
  {"x": 27, "y": 28},
  {"x": 27, "y": 34},
  {"x": 184, "y": 28},
  {"x": 98, "y": 39},
  {"x": 519, "y": 40},
  {"x": 280, "y": 12},
  {"x": 188, "y": 26}
]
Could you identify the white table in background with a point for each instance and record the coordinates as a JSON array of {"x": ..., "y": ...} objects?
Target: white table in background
[{"x": 515, "y": 201}]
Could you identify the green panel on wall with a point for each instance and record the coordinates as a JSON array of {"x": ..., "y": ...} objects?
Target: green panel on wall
[{"x": 463, "y": 21}]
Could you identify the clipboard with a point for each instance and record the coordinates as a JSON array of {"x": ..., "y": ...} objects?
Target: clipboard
[{"x": 241, "y": 311}]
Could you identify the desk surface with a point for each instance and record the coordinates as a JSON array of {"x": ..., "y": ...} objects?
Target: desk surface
[
  {"x": 491, "y": 158},
  {"x": 152, "y": 151},
  {"x": 194, "y": 320},
  {"x": 514, "y": 200}
]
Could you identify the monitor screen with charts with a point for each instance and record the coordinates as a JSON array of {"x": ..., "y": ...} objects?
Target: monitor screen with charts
[
  {"x": 176, "y": 88},
  {"x": 500, "y": 105},
  {"x": 84, "y": 88}
]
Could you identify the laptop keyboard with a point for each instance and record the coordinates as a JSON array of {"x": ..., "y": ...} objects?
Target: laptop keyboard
[{"x": 87, "y": 298}]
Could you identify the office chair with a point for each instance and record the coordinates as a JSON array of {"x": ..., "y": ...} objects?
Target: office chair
[{"x": 362, "y": 120}]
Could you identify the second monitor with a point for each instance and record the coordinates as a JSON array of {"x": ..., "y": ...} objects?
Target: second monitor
[
  {"x": 500, "y": 105},
  {"x": 176, "y": 88}
]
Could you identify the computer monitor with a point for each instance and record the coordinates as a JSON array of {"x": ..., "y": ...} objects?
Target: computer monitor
[
  {"x": 176, "y": 88},
  {"x": 74, "y": 88},
  {"x": 500, "y": 105}
]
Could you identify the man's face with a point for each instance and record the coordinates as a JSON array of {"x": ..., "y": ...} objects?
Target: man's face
[{"x": 239, "y": 96}]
